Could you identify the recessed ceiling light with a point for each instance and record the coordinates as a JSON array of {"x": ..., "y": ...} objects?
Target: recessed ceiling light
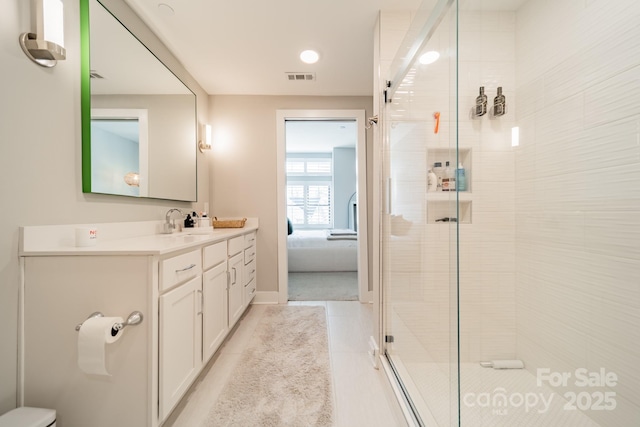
[
  {"x": 309, "y": 56},
  {"x": 165, "y": 9},
  {"x": 429, "y": 57}
]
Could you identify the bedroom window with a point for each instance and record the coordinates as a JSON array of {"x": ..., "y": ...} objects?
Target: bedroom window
[{"x": 309, "y": 181}]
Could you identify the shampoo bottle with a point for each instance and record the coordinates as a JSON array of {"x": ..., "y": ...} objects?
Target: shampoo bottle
[
  {"x": 437, "y": 170},
  {"x": 449, "y": 179},
  {"x": 461, "y": 178},
  {"x": 432, "y": 181}
]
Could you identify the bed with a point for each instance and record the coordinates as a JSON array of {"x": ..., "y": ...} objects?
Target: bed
[{"x": 322, "y": 250}]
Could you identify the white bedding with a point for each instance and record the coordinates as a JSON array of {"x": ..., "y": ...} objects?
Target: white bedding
[
  {"x": 318, "y": 239},
  {"x": 311, "y": 250}
]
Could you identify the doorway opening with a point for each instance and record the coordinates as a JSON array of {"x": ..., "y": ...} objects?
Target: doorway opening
[{"x": 322, "y": 239}]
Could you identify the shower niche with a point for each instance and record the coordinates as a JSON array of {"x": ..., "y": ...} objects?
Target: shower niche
[{"x": 441, "y": 205}]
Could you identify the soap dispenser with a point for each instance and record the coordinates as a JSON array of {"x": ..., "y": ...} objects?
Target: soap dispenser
[
  {"x": 188, "y": 221},
  {"x": 481, "y": 104},
  {"x": 499, "y": 104}
]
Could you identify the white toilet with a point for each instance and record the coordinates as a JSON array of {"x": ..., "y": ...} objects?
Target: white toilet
[{"x": 29, "y": 417}]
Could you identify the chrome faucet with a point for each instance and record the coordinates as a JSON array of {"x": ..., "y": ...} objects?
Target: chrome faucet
[{"x": 169, "y": 226}]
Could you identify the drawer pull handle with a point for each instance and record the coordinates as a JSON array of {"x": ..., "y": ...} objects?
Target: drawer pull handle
[
  {"x": 253, "y": 271},
  {"x": 186, "y": 268}
]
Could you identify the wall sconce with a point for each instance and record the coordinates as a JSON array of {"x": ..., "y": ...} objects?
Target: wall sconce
[
  {"x": 46, "y": 46},
  {"x": 205, "y": 143},
  {"x": 132, "y": 179}
]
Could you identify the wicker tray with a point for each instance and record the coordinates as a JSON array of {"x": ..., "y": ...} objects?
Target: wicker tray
[{"x": 228, "y": 223}]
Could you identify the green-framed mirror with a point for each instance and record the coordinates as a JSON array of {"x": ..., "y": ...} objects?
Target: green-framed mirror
[{"x": 139, "y": 123}]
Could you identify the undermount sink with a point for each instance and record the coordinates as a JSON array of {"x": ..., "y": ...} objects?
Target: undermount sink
[
  {"x": 199, "y": 230},
  {"x": 194, "y": 232}
]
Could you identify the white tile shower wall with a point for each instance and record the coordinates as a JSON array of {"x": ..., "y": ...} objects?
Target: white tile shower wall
[
  {"x": 487, "y": 245},
  {"x": 418, "y": 291},
  {"x": 577, "y": 196},
  {"x": 393, "y": 28}
]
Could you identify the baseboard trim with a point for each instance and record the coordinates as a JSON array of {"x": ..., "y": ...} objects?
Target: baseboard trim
[
  {"x": 367, "y": 297},
  {"x": 270, "y": 297}
]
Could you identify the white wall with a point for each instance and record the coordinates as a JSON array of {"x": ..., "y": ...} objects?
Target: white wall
[
  {"x": 344, "y": 184},
  {"x": 40, "y": 161},
  {"x": 243, "y": 162},
  {"x": 578, "y": 193}
]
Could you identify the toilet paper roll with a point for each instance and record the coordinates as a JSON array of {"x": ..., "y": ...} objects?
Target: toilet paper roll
[{"x": 94, "y": 335}]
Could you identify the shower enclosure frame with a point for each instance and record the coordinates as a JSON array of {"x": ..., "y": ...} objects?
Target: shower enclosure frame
[{"x": 543, "y": 276}]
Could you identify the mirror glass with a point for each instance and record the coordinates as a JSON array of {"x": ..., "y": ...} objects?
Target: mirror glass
[{"x": 139, "y": 120}]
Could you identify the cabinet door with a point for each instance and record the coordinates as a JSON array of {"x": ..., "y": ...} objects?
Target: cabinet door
[
  {"x": 236, "y": 288},
  {"x": 215, "y": 310},
  {"x": 180, "y": 338}
]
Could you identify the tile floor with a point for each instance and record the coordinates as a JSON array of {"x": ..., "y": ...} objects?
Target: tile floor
[{"x": 362, "y": 395}]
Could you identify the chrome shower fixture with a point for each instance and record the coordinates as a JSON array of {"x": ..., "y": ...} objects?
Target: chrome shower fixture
[
  {"x": 481, "y": 104},
  {"x": 371, "y": 121},
  {"x": 499, "y": 104}
]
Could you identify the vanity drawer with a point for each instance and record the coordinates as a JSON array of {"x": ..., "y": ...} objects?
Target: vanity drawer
[
  {"x": 249, "y": 271},
  {"x": 236, "y": 245},
  {"x": 214, "y": 254},
  {"x": 249, "y": 255},
  {"x": 250, "y": 239},
  {"x": 249, "y": 291},
  {"x": 179, "y": 269}
]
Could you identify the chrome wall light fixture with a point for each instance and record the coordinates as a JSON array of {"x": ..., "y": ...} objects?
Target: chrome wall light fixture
[
  {"x": 205, "y": 140},
  {"x": 46, "y": 46}
]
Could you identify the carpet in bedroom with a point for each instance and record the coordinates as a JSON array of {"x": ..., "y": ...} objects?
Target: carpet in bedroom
[{"x": 323, "y": 286}]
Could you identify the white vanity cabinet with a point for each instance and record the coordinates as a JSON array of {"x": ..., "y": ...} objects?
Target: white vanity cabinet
[
  {"x": 249, "y": 274},
  {"x": 215, "y": 308},
  {"x": 189, "y": 288},
  {"x": 180, "y": 327},
  {"x": 236, "y": 284}
]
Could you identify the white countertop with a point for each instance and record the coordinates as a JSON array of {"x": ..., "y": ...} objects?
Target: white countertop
[{"x": 139, "y": 238}]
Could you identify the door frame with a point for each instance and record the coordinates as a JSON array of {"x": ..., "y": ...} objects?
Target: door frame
[{"x": 364, "y": 295}]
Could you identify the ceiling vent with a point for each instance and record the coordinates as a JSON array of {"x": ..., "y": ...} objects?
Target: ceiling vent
[{"x": 301, "y": 77}]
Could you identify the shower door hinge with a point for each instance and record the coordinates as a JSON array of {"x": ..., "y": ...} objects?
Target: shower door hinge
[
  {"x": 386, "y": 93},
  {"x": 388, "y": 338}
]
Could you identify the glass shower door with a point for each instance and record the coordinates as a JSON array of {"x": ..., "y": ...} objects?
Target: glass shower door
[
  {"x": 533, "y": 266},
  {"x": 419, "y": 226}
]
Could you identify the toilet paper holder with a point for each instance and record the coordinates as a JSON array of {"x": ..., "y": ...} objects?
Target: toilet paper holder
[{"x": 133, "y": 319}]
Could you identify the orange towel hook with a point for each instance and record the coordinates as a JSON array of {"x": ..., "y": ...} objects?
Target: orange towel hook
[{"x": 436, "y": 116}]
